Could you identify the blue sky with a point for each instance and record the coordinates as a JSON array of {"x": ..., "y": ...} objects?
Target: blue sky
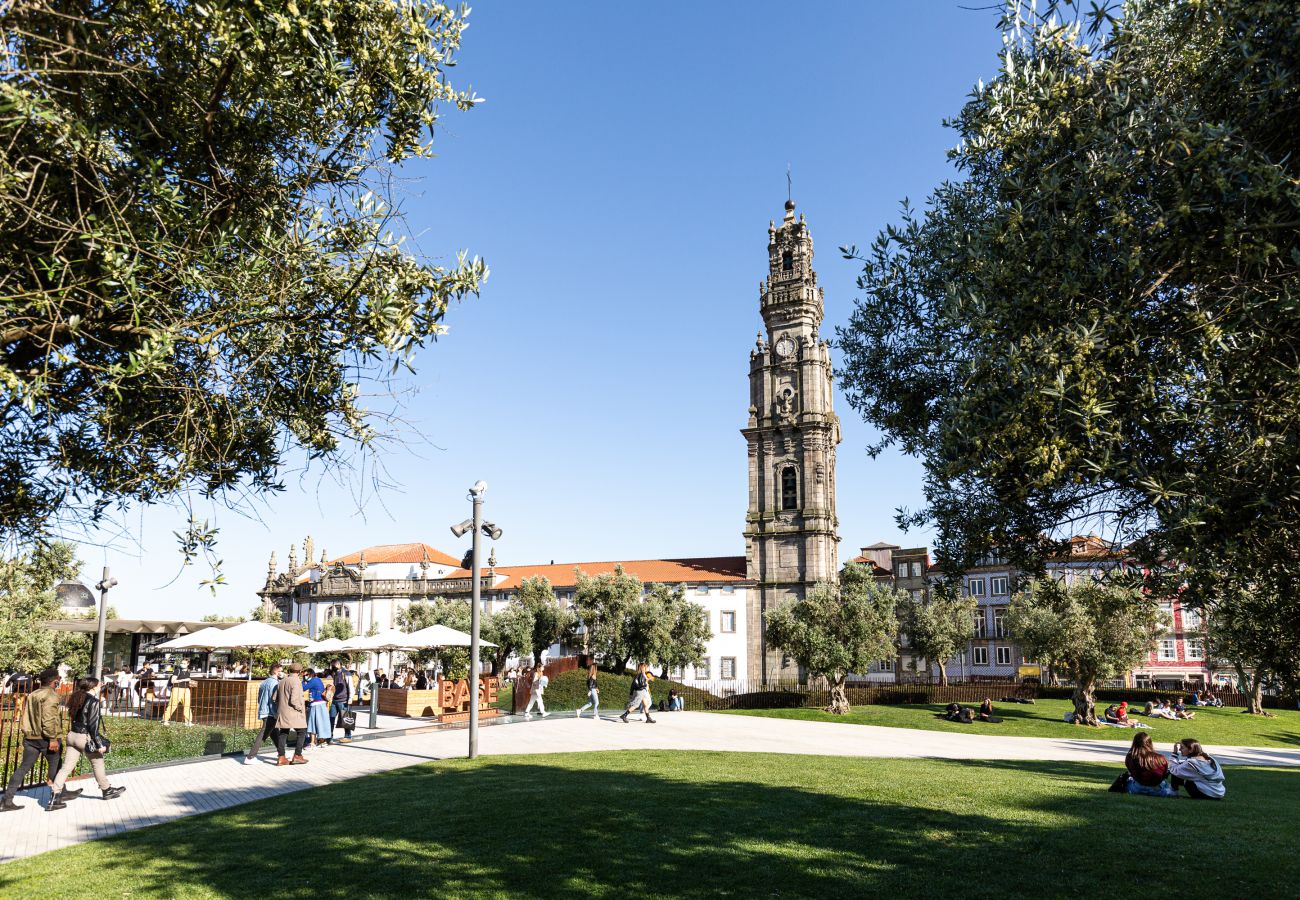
[{"x": 619, "y": 180}]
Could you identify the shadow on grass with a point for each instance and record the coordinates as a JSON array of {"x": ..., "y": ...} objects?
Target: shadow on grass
[{"x": 658, "y": 823}]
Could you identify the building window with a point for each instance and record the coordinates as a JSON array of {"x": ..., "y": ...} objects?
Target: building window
[
  {"x": 727, "y": 621},
  {"x": 998, "y": 586},
  {"x": 1167, "y": 651},
  {"x": 886, "y": 665},
  {"x": 1195, "y": 650},
  {"x": 1004, "y": 656},
  {"x": 975, "y": 587},
  {"x": 1191, "y": 620},
  {"x": 999, "y": 623},
  {"x": 728, "y": 667},
  {"x": 675, "y": 673},
  {"x": 789, "y": 488},
  {"x": 787, "y": 261},
  {"x": 728, "y": 589},
  {"x": 902, "y": 570},
  {"x": 980, "y": 655},
  {"x": 702, "y": 669},
  {"x": 917, "y": 593},
  {"x": 702, "y": 589},
  {"x": 981, "y": 625},
  {"x": 338, "y": 611},
  {"x": 916, "y": 570}
]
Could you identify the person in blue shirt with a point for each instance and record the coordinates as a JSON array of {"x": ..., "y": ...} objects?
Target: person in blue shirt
[
  {"x": 318, "y": 710},
  {"x": 265, "y": 712}
]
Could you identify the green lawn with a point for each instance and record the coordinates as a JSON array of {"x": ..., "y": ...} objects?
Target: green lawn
[
  {"x": 643, "y": 824},
  {"x": 1044, "y": 719},
  {"x": 138, "y": 742}
]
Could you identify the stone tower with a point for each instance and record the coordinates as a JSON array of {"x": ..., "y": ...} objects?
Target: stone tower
[{"x": 790, "y": 530}]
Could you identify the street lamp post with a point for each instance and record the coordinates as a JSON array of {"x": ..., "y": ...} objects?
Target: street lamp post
[
  {"x": 480, "y": 528},
  {"x": 104, "y": 584}
]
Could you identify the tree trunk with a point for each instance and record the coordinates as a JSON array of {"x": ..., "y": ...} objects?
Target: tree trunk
[
  {"x": 1252, "y": 688},
  {"x": 621, "y": 668},
  {"x": 943, "y": 673},
  {"x": 1085, "y": 709},
  {"x": 839, "y": 699}
]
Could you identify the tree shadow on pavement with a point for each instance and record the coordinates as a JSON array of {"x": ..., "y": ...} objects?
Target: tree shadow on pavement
[{"x": 634, "y": 824}]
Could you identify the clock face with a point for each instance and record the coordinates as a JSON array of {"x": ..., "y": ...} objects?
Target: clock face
[{"x": 784, "y": 347}]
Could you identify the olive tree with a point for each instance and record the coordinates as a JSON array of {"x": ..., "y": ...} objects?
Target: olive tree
[
  {"x": 838, "y": 629},
  {"x": 200, "y": 264},
  {"x": 938, "y": 628},
  {"x": 550, "y": 622},
  {"x": 1091, "y": 630}
]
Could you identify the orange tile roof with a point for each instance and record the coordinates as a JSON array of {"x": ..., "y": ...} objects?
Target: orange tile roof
[
  {"x": 876, "y": 568},
  {"x": 397, "y": 553},
  {"x": 666, "y": 571}
]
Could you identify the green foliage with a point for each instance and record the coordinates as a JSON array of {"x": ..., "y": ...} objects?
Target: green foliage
[
  {"x": 1253, "y": 626},
  {"x": 550, "y": 622},
  {"x": 838, "y": 629},
  {"x": 217, "y": 617},
  {"x": 511, "y": 629},
  {"x": 938, "y": 628},
  {"x": 438, "y": 611},
  {"x": 199, "y": 259},
  {"x": 27, "y": 599},
  {"x": 568, "y": 690},
  {"x": 604, "y": 605},
  {"x": 1101, "y": 319},
  {"x": 1089, "y": 630}
]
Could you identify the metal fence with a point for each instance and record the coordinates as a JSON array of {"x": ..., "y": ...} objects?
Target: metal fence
[{"x": 147, "y": 721}]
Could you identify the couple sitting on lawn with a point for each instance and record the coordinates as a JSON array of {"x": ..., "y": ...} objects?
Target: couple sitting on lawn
[
  {"x": 955, "y": 712},
  {"x": 1118, "y": 715},
  {"x": 1191, "y": 768}
]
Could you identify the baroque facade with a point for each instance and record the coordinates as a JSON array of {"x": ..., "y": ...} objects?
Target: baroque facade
[{"x": 791, "y": 539}]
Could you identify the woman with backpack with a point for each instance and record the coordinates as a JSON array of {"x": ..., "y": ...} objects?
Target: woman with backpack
[
  {"x": 640, "y": 694},
  {"x": 83, "y": 737}
]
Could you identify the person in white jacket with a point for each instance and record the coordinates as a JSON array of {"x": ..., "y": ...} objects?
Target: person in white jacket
[{"x": 1194, "y": 769}]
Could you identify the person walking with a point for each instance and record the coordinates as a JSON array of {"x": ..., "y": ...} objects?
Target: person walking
[
  {"x": 535, "y": 692},
  {"x": 318, "y": 710},
  {"x": 179, "y": 695},
  {"x": 291, "y": 715},
  {"x": 265, "y": 711},
  {"x": 593, "y": 694},
  {"x": 342, "y": 698},
  {"x": 40, "y": 732},
  {"x": 640, "y": 693},
  {"x": 83, "y": 737}
]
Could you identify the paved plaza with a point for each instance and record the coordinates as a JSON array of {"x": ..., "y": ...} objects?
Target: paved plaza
[{"x": 160, "y": 794}]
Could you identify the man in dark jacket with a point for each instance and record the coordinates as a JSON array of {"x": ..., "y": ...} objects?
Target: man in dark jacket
[
  {"x": 41, "y": 727},
  {"x": 342, "y": 696}
]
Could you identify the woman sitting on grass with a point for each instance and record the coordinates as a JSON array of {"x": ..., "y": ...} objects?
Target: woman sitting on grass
[
  {"x": 1146, "y": 769},
  {"x": 1197, "y": 771},
  {"x": 986, "y": 710},
  {"x": 1180, "y": 710}
]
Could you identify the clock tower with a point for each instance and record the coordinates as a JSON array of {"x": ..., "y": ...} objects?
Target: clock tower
[{"x": 790, "y": 530}]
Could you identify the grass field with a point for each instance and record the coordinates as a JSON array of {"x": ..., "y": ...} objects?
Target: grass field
[
  {"x": 1044, "y": 719},
  {"x": 644, "y": 824}
]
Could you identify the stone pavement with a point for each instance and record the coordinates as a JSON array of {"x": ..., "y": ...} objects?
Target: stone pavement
[{"x": 165, "y": 793}]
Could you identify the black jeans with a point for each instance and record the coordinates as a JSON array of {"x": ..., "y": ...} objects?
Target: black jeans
[
  {"x": 32, "y": 751},
  {"x": 269, "y": 731},
  {"x": 338, "y": 708},
  {"x": 281, "y": 738},
  {"x": 1192, "y": 790}
]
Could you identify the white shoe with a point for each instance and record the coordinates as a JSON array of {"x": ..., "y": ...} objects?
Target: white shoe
[
  {"x": 545, "y": 714},
  {"x": 528, "y": 715}
]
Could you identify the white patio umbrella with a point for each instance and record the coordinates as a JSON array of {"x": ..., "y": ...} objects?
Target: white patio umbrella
[
  {"x": 389, "y": 639},
  {"x": 442, "y": 636},
  {"x": 261, "y": 634},
  {"x": 203, "y": 639},
  {"x": 329, "y": 645}
]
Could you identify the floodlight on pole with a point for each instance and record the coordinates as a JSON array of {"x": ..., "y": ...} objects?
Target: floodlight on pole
[
  {"x": 104, "y": 584},
  {"x": 479, "y": 528}
]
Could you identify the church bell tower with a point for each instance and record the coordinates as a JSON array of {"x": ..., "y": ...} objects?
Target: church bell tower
[{"x": 790, "y": 530}]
